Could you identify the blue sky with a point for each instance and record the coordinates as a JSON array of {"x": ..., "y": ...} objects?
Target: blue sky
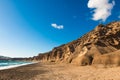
[{"x": 29, "y": 27}]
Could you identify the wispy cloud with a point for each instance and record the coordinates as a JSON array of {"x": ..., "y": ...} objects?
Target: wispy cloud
[
  {"x": 101, "y": 8},
  {"x": 54, "y": 25},
  {"x": 119, "y": 16}
]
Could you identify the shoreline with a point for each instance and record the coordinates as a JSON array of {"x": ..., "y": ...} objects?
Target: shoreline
[
  {"x": 54, "y": 71},
  {"x": 15, "y": 66}
]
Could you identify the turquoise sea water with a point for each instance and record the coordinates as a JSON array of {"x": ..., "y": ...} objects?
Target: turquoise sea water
[{"x": 5, "y": 63}]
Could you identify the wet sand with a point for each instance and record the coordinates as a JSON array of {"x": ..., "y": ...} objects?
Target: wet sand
[{"x": 52, "y": 71}]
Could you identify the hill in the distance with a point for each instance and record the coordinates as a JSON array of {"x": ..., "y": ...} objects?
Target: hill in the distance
[
  {"x": 4, "y": 57},
  {"x": 9, "y": 58},
  {"x": 100, "y": 46}
]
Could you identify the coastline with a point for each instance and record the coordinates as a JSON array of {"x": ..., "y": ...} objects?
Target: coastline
[
  {"x": 54, "y": 71},
  {"x": 15, "y": 66}
]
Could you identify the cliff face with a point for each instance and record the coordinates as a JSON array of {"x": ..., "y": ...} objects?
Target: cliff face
[{"x": 88, "y": 49}]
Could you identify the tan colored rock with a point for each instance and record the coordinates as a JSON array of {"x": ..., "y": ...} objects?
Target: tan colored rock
[
  {"x": 95, "y": 47},
  {"x": 111, "y": 59}
]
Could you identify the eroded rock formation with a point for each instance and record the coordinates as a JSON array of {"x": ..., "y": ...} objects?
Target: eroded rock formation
[{"x": 100, "y": 46}]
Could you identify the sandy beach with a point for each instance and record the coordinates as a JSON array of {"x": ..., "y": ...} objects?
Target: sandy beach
[{"x": 52, "y": 71}]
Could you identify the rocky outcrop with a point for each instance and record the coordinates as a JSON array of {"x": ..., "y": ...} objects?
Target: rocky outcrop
[
  {"x": 111, "y": 59},
  {"x": 103, "y": 41}
]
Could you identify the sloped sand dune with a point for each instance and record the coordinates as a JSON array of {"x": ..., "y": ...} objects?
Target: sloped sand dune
[{"x": 52, "y": 71}]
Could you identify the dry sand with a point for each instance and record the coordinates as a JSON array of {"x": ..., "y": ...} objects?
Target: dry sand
[{"x": 52, "y": 71}]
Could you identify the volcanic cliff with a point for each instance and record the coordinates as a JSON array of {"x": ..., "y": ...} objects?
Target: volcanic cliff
[{"x": 99, "y": 46}]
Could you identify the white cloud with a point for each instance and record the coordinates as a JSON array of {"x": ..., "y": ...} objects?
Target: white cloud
[
  {"x": 101, "y": 8},
  {"x": 57, "y": 26},
  {"x": 119, "y": 16}
]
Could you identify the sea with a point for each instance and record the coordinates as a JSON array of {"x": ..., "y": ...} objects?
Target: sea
[{"x": 6, "y": 64}]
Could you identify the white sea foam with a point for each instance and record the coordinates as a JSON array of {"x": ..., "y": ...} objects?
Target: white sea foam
[{"x": 14, "y": 66}]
